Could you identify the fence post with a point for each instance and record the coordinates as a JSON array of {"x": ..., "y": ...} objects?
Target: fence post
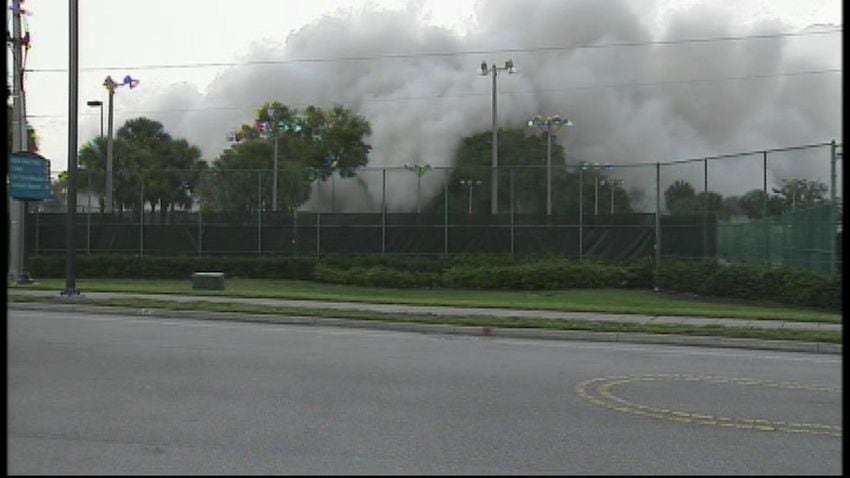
[
  {"x": 259, "y": 212},
  {"x": 318, "y": 217},
  {"x": 88, "y": 216},
  {"x": 384, "y": 210},
  {"x": 833, "y": 216},
  {"x": 446, "y": 214},
  {"x": 512, "y": 211},
  {"x": 37, "y": 211},
  {"x": 580, "y": 214},
  {"x": 141, "y": 214},
  {"x": 657, "y": 223},
  {"x": 705, "y": 209},
  {"x": 294, "y": 231},
  {"x": 764, "y": 210},
  {"x": 200, "y": 228}
]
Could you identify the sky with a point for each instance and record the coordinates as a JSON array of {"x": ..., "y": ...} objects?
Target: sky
[{"x": 422, "y": 105}]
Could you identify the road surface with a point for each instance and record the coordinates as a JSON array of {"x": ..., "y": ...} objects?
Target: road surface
[{"x": 132, "y": 394}]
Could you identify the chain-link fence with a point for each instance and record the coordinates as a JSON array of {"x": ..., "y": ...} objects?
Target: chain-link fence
[{"x": 774, "y": 207}]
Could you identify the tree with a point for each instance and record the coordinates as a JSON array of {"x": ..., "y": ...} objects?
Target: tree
[
  {"x": 525, "y": 154},
  {"x": 516, "y": 149},
  {"x": 714, "y": 203},
  {"x": 92, "y": 177},
  {"x": 312, "y": 145},
  {"x": 144, "y": 154},
  {"x": 169, "y": 183},
  {"x": 680, "y": 198},
  {"x": 752, "y": 204},
  {"x": 801, "y": 193}
]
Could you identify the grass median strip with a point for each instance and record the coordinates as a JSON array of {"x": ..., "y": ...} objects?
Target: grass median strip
[
  {"x": 574, "y": 300},
  {"x": 477, "y": 321}
]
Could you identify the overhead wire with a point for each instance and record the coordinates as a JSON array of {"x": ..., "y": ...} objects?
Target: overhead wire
[
  {"x": 475, "y": 94},
  {"x": 440, "y": 54}
]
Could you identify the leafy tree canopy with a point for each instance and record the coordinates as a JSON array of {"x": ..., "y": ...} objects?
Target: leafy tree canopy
[
  {"x": 311, "y": 144},
  {"x": 148, "y": 165}
]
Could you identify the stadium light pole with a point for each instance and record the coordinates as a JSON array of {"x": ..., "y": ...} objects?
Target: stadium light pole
[
  {"x": 494, "y": 189},
  {"x": 420, "y": 171},
  {"x": 470, "y": 184},
  {"x": 614, "y": 183},
  {"x": 596, "y": 168},
  {"x": 548, "y": 123},
  {"x": 273, "y": 127},
  {"x": 111, "y": 86}
]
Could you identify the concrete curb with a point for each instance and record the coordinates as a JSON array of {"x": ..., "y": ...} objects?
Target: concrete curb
[{"x": 643, "y": 338}]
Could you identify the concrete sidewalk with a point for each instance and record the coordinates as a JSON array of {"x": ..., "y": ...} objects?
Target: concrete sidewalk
[{"x": 453, "y": 311}]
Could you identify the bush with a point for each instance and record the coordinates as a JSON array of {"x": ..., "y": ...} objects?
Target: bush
[
  {"x": 180, "y": 267},
  {"x": 783, "y": 285},
  {"x": 428, "y": 264},
  {"x": 553, "y": 273},
  {"x": 475, "y": 271},
  {"x": 377, "y": 276}
]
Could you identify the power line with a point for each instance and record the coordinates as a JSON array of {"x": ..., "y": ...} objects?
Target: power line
[
  {"x": 474, "y": 95},
  {"x": 442, "y": 54}
]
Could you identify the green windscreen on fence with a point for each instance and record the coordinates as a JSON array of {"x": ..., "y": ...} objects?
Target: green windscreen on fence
[{"x": 800, "y": 238}]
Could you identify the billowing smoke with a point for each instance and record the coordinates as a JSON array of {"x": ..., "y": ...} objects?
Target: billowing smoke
[{"x": 629, "y": 104}]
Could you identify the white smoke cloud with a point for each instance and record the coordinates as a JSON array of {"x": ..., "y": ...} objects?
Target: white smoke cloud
[{"x": 421, "y": 107}]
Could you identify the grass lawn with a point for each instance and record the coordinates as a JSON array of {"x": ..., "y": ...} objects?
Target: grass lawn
[{"x": 576, "y": 300}]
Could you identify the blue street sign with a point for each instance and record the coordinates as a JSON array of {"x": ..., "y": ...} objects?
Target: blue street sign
[{"x": 29, "y": 176}]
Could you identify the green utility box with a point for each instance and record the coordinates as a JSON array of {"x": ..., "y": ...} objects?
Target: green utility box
[{"x": 208, "y": 280}]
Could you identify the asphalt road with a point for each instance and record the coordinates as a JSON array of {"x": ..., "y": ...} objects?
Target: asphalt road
[{"x": 110, "y": 394}]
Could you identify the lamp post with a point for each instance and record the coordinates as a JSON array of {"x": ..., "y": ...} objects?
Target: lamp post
[
  {"x": 494, "y": 69},
  {"x": 99, "y": 104},
  {"x": 420, "y": 171},
  {"x": 470, "y": 184},
  {"x": 549, "y": 122},
  {"x": 111, "y": 86}
]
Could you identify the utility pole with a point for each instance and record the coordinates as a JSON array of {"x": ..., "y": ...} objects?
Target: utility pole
[
  {"x": 71, "y": 214},
  {"x": 17, "y": 210}
]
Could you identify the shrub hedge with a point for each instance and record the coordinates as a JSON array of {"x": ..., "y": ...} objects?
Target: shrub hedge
[
  {"x": 782, "y": 284},
  {"x": 478, "y": 271}
]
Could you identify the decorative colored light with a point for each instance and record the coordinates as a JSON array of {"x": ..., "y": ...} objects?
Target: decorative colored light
[{"x": 131, "y": 82}]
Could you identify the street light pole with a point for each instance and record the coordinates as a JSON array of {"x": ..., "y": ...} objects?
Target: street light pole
[
  {"x": 110, "y": 85},
  {"x": 71, "y": 214},
  {"x": 99, "y": 104},
  {"x": 549, "y": 122},
  {"x": 494, "y": 178}
]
